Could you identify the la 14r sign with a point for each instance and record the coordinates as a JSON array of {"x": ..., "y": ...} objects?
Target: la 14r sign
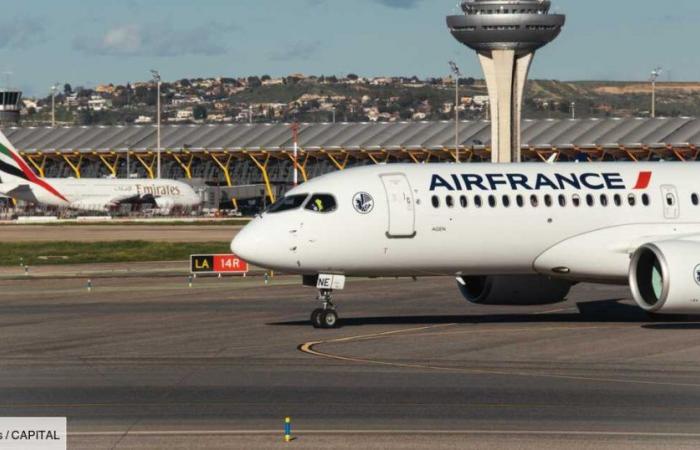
[{"x": 218, "y": 264}]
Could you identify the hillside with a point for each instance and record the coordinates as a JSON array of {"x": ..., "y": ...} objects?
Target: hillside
[{"x": 352, "y": 99}]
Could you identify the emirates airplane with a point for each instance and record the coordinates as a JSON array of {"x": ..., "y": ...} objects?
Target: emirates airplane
[
  {"x": 511, "y": 234},
  {"x": 19, "y": 182}
]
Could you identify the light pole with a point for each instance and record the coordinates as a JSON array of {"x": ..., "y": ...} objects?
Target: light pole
[
  {"x": 654, "y": 75},
  {"x": 157, "y": 79},
  {"x": 54, "y": 88},
  {"x": 457, "y": 74},
  {"x": 295, "y": 138}
]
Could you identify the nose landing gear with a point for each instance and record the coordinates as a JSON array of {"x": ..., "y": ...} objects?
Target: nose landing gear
[{"x": 327, "y": 316}]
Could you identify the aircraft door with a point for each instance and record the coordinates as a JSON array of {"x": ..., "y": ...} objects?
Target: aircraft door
[
  {"x": 402, "y": 214},
  {"x": 671, "y": 203}
]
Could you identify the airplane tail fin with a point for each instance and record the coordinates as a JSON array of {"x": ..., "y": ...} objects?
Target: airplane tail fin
[{"x": 13, "y": 169}]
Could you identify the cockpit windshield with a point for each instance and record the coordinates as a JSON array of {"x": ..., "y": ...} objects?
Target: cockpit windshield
[
  {"x": 322, "y": 203},
  {"x": 287, "y": 203}
]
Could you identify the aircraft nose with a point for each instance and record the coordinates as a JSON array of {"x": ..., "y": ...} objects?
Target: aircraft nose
[{"x": 246, "y": 244}]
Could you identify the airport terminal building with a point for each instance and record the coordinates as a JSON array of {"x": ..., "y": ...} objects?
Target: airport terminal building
[{"x": 239, "y": 155}]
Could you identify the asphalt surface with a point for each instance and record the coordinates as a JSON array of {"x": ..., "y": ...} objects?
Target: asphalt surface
[{"x": 152, "y": 363}]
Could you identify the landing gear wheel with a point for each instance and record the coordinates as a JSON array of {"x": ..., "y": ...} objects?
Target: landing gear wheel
[
  {"x": 329, "y": 319},
  {"x": 316, "y": 318}
]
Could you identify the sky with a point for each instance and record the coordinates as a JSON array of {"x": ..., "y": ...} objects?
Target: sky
[{"x": 87, "y": 42}]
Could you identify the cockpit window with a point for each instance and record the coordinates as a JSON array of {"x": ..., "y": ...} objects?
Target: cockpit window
[
  {"x": 321, "y": 203},
  {"x": 287, "y": 203}
]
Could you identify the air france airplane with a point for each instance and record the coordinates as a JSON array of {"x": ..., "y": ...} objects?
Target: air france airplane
[
  {"x": 19, "y": 182},
  {"x": 511, "y": 234}
]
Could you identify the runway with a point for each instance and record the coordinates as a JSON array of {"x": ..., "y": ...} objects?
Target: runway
[{"x": 151, "y": 363}]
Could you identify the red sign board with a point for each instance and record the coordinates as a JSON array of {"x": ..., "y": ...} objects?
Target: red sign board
[
  {"x": 218, "y": 264},
  {"x": 229, "y": 264}
]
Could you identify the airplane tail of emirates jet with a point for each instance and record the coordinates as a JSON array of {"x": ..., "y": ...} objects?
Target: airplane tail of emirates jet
[{"x": 16, "y": 174}]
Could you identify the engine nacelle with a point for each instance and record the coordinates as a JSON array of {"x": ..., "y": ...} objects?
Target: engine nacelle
[
  {"x": 514, "y": 290},
  {"x": 665, "y": 277},
  {"x": 166, "y": 203}
]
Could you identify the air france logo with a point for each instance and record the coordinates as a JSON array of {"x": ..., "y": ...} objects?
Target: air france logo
[
  {"x": 363, "y": 203},
  {"x": 518, "y": 181},
  {"x": 697, "y": 274}
]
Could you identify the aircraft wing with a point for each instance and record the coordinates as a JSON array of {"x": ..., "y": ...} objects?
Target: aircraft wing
[
  {"x": 18, "y": 191},
  {"x": 102, "y": 203}
]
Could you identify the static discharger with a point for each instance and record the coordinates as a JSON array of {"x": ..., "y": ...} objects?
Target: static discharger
[{"x": 287, "y": 429}]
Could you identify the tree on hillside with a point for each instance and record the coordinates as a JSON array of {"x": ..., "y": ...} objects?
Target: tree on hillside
[
  {"x": 254, "y": 82},
  {"x": 199, "y": 112},
  {"x": 352, "y": 77},
  {"x": 67, "y": 89}
]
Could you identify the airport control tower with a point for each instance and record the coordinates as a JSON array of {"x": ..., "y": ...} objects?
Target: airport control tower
[
  {"x": 505, "y": 35},
  {"x": 10, "y": 106}
]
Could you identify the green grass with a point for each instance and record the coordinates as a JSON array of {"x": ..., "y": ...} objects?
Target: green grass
[{"x": 55, "y": 253}]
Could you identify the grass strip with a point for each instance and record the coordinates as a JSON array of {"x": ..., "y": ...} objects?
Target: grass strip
[{"x": 57, "y": 253}]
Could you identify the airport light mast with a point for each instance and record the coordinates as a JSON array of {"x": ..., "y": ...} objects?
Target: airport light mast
[
  {"x": 54, "y": 88},
  {"x": 457, "y": 74},
  {"x": 654, "y": 76},
  {"x": 157, "y": 79},
  {"x": 505, "y": 34}
]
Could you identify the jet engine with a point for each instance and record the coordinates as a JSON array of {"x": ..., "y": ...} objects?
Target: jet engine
[
  {"x": 165, "y": 203},
  {"x": 513, "y": 290},
  {"x": 665, "y": 277}
]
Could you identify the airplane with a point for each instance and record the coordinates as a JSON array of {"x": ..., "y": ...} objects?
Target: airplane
[
  {"x": 520, "y": 234},
  {"x": 18, "y": 181}
]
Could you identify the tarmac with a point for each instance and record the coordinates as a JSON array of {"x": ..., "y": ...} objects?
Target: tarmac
[{"x": 148, "y": 362}]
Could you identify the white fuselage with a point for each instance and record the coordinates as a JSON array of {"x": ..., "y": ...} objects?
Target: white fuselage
[
  {"x": 101, "y": 193},
  {"x": 489, "y": 219}
]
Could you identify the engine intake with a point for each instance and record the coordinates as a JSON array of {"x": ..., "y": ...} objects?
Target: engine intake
[
  {"x": 665, "y": 277},
  {"x": 512, "y": 290}
]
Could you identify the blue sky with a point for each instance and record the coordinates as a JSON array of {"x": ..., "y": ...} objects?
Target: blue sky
[{"x": 86, "y": 42}]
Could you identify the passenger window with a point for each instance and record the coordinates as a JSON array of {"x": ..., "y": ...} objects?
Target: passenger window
[
  {"x": 449, "y": 201},
  {"x": 562, "y": 200},
  {"x": 287, "y": 203},
  {"x": 603, "y": 200},
  {"x": 534, "y": 201},
  {"x": 436, "y": 201},
  {"x": 322, "y": 203},
  {"x": 645, "y": 200},
  {"x": 632, "y": 199},
  {"x": 590, "y": 201},
  {"x": 618, "y": 200},
  {"x": 506, "y": 201},
  {"x": 694, "y": 198},
  {"x": 492, "y": 201},
  {"x": 520, "y": 200},
  {"x": 576, "y": 200},
  {"x": 477, "y": 201},
  {"x": 548, "y": 200},
  {"x": 463, "y": 201}
]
